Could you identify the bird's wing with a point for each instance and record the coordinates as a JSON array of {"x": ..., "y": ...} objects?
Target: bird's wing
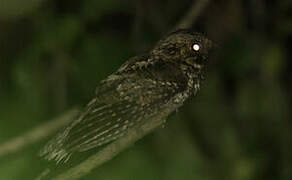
[{"x": 121, "y": 102}]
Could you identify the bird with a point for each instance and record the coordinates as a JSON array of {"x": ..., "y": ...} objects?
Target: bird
[{"x": 142, "y": 88}]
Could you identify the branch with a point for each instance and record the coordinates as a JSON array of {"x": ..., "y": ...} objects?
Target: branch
[
  {"x": 113, "y": 149},
  {"x": 37, "y": 134},
  {"x": 195, "y": 10}
]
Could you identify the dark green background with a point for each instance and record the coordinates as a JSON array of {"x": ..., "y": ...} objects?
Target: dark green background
[{"x": 53, "y": 53}]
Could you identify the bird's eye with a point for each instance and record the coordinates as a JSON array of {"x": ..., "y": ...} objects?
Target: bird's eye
[{"x": 196, "y": 47}]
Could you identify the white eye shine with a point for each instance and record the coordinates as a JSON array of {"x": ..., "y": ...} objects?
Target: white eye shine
[{"x": 196, "y": 47}]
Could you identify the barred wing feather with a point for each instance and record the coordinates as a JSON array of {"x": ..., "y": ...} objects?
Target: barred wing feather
[{"x": 120, "y": 104}]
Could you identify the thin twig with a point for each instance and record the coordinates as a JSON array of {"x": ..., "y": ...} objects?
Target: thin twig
[
  {"x": 37, "y": 134},
  {"x": 194, "y": 12}
]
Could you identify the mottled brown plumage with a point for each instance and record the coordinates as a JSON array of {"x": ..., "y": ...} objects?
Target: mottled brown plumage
[{"x": 141, "y": 88}]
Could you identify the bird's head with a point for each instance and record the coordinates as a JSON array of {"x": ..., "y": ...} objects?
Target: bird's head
[{"x": 183, "y": 46}]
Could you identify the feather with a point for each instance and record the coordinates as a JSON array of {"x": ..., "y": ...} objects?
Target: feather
[{"x": 120, "y": 103}]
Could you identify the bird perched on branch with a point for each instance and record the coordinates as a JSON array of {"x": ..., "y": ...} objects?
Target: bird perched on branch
[{"x": 140, "y": 89}]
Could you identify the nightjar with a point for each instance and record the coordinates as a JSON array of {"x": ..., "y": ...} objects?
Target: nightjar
[{"x": 141, "y": 88}]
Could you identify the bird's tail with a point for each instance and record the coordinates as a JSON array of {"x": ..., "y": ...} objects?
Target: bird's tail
[{"x": 54, "y": 149}]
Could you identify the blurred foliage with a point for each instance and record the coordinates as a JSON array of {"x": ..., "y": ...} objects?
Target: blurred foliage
[{"x": 54, "y": 53}]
